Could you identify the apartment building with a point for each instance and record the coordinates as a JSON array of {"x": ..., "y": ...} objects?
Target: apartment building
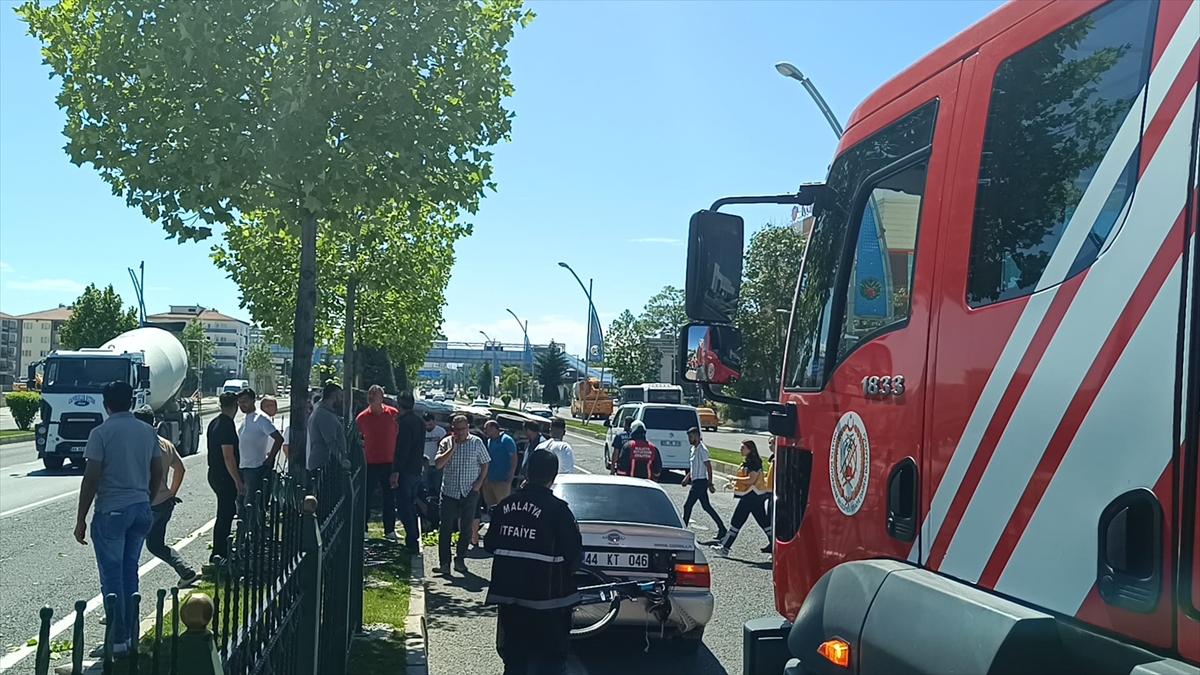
[
  {"x": 39, "y": 335},
  {"x": 231, "y": 336},
  {"x": 10, "y": 351}
]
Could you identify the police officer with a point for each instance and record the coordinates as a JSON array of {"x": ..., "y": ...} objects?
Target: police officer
[
  {"x": 639, "y": 458},
  {"x": 536, "y": 548}
]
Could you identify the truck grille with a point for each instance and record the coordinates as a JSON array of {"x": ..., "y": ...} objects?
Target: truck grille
[{"x": 77, "y": 428}]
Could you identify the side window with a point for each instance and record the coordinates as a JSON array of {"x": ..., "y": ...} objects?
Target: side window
[
  {"x": 1053, "y": 120},
  {"x": 877, "y": 292}
]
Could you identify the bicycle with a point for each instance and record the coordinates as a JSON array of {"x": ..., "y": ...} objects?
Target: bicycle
[{"x": 657, "y": 592}]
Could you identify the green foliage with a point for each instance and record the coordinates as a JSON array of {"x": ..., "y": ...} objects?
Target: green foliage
[
  {"x": 484, "y": 382},
  {"x": 664, "y": 313},
  {"x": 260, "y": 368},
  {"x": 198, "y": 346},
  {"x": 24, "y": 406},
  {"x": 505, "y": 398},
  {"x": 96, "y": 318},
  {"x": 551, "y": 371},
  {"x": 769, "y": 272},
  {"x": 627, "y": 351},
  {"x": 374, "y": 367}
]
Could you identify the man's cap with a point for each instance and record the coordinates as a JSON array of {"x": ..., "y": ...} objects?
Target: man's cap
[{"x": 637, "y": 426}]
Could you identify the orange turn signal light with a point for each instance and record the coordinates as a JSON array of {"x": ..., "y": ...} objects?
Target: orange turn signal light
[{"x": 837, "y": 651}]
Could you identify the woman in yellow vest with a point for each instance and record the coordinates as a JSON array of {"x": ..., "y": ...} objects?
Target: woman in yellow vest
[{"x": 750, "y": 491}]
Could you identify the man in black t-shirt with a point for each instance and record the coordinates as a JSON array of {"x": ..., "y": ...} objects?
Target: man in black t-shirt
[{"x": 223, "y": 475}]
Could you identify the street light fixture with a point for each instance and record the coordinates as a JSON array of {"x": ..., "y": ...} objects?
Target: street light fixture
[
  {"x": 788, "y": 70},
  {"x": 526, "y": 359},
  {"x": 587, "y": 290}
]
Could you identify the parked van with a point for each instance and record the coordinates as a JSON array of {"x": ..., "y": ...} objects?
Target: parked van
[
  {"x": 666, "y": 427},
  {"x": 235, "y": 386}
]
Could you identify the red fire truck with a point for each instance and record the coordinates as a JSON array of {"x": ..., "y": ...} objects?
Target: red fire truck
[{"x": 990, "y": 408}]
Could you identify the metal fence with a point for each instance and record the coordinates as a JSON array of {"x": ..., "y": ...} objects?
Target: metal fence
[{"x": 288, "y": 599}]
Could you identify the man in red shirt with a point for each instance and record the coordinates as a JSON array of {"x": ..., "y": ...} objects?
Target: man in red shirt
[{"x": 378, "y": 427}]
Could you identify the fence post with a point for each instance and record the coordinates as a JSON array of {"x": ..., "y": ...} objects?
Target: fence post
[
  {"x": 77, "y": 645},
  {"x": 309, "y": 637},
  {"x": 42, "y": 660},
  {"x": 358, "y": 510}
]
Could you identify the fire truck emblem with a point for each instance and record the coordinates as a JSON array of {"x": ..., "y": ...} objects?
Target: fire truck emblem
[
  {"x": 870, "y": 288},
  {"x": 849, "y": 463}
]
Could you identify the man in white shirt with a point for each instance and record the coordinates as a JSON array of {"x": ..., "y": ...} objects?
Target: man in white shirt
[
  {"x": 560, "y": 448},
  {"x": 699, "y": 476},
  {"x": 258, "y": 441},
  {"x": 431, "y": 475}
]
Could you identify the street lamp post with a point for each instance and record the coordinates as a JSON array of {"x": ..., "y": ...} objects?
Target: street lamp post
[
  {"x": 587, "y": 290},
  {"x": 527, "y": 355},
  {"x": 788, "y": 70}
]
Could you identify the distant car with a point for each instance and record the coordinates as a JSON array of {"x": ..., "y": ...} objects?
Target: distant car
[
  {"x": 437, "y": 398},
  {"x": 708, "y": 419},
  {"x": 631, "y": 530},
  {"x": 481, "y": 403},
  {"x": 548, "y": 414}
]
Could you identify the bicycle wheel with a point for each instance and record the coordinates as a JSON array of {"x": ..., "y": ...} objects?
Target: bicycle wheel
[{"x": 598, "y": 608}]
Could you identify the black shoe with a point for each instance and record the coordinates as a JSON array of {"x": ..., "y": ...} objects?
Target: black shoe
[{"x": 444, "y": 569}]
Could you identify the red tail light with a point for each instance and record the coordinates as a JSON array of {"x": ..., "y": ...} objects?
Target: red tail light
[{"x": 696, "y": 576}]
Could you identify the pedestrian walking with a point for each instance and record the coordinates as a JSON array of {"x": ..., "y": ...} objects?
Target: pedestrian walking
[
  {"x": 162, "y": 504},
  {"x": 379, "y": 429},
  {"x": 537, "y": 549},
  {"x": 561, "y": 449},
  {"x": 258, "y": 443},
  {"x": 533, "y": 438},
  {"x": 408, "y": 459},
  {"x": 124, "y": 464},
  {"x": 464, "y": 460},
  {"x": 639, "y": 457},
  {"x": 750, "y": 491},
  {"x": 699, "y": 481},
  {"x": 502, "y": 451},
  {"x": 223, "y": 475},
  {"x": 326, "y": 434}
]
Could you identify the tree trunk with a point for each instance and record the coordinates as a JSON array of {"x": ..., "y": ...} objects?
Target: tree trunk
[
  {"x": 302, "y": 346},
  {"x": 348, "y": 348}
]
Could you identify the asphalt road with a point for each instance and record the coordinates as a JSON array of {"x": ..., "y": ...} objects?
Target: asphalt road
[
  {"x": 41, "y": 564},
  {"x": 462, "y": 629}
]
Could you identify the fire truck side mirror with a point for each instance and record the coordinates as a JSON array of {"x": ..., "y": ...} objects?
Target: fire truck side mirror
[
  {"x": 710, "y": 354},
  {"x": 714, "y": 266}
]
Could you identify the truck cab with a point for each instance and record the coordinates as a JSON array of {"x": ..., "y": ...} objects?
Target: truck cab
[
  {"x": 990, "y": 407},
  {"x": 72, "y": 404}
]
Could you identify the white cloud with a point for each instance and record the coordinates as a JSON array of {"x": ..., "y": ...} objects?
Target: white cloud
[
  {"x": 657, "y": 240},
  {"x": 5, "y": 268},
  {"x": 46, "y": 285}
]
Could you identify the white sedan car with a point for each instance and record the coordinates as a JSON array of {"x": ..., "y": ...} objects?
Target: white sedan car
[{"x": 631, "y": 531}]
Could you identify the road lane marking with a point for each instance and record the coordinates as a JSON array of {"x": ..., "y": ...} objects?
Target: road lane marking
[
  {"x": 43, "y": 502},
  {"x": 68, "y": 621}
]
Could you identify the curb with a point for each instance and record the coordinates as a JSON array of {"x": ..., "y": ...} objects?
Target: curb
[
  {"x": 21, "y": 438},
  {"x": 416, "y": 632}
]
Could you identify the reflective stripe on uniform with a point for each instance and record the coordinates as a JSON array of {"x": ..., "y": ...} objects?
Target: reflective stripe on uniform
[
  {"x": 555, "y": 603},
  {"x": 528, "y": 555}
]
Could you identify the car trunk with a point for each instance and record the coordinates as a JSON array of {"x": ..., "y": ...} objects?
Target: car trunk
[{"x": 635, "y": 550}]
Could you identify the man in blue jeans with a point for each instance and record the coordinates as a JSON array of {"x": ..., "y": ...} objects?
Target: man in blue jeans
[{"x": 124, "y": 464}]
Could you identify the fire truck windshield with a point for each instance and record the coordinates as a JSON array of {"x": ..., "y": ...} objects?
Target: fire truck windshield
[
  {"x": 84, "y": 374},
  {"x": 814, "y": 308}
]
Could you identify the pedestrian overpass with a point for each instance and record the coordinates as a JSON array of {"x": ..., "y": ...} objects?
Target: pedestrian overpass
[{"x": 445, "y": 352}]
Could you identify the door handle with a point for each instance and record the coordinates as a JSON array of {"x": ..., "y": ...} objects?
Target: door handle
[
  {"x": 1129, "y": 558},
  {"x": 902, "y": 500}
]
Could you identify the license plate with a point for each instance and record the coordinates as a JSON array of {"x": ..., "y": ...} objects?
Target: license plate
[
  {"x": 622, "y": 560},
  {"x": 672, "y": 443}
]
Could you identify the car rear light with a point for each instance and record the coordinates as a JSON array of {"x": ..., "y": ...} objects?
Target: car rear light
[{"x": 689, "y": 574}]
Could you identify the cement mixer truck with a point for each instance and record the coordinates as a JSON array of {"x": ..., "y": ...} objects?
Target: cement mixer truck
[{"x": 152, "y": 360}]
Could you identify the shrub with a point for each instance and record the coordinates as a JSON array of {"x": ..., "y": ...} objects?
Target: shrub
[
  {"x": 505, "y": 399},
  {"x": 25, "y": 405}
]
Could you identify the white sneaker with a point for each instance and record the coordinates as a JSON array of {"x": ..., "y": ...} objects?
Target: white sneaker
[
  {"x": 392, "y": 536},
  {"x": 719, "y": 550}
]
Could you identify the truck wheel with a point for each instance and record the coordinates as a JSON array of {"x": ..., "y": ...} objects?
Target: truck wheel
[
  {"x": 78, "y": 462},
  {"x": 52, "y": 463}
]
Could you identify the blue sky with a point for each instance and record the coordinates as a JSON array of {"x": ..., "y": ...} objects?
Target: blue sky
[{"x": 630, "y": 116}]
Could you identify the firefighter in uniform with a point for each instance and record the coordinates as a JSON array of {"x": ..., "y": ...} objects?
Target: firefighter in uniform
[
  {"x": 536, "y": 549},
  {"x": 639, "y": 457}
]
